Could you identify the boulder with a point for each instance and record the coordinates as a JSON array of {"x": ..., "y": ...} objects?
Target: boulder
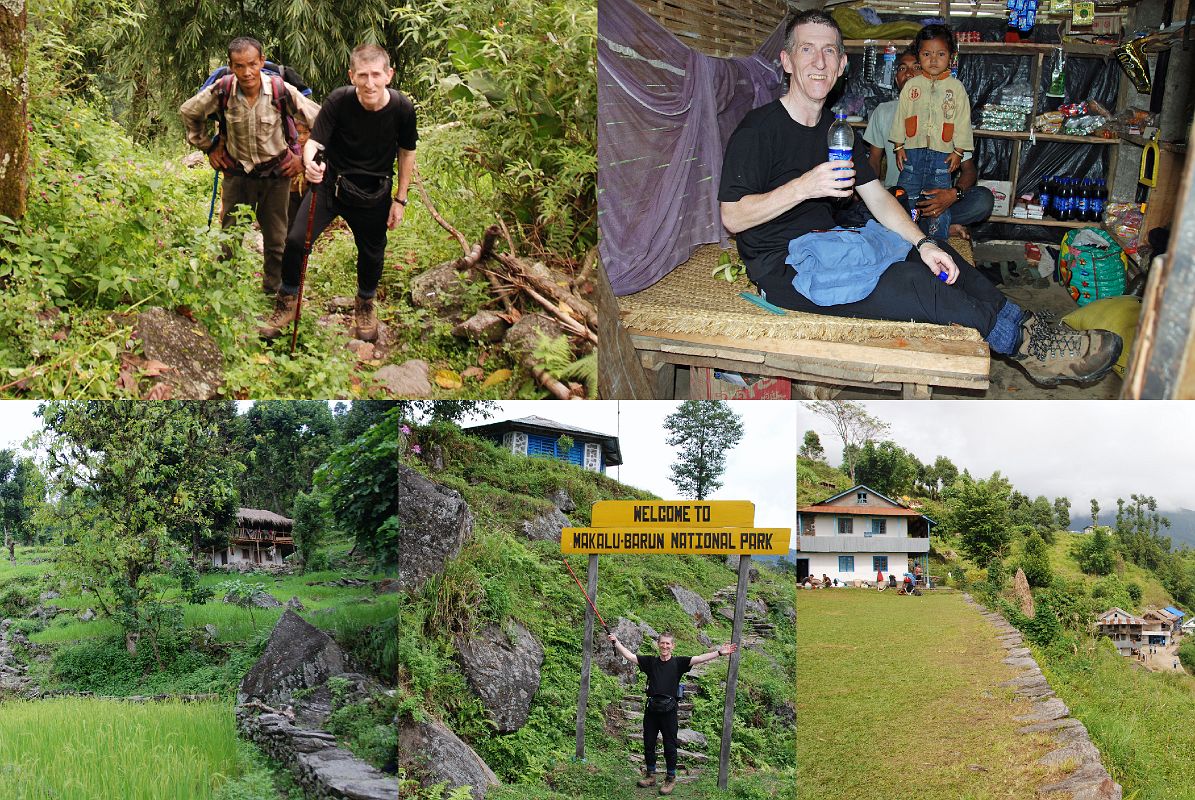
[
  {"x": 756, "y": 607},
  {"x": 607, "y": 658},
  {"x": 546, "y": 527},
  {"x": 297, "y": 656},
  {"x": 50, "y": 595},
  {"x": 693, "y": 604},
  {"x": 484, "y": 326},
  {"x": 1020, "y": 588},
  {"x": 690, "y": 738},
  {"x": 258, "y": 600},
  {"x": 296, "y": 604},
  {"x": 88, "y": 615},
  {"x": 525, "y": 335},
  {"x": 439, "y": 755},
  {"x": 194, "y": 364},
  {"x": 433, "y": 522},
  {"x": 438, "y": 289},
  {"x": 210, "y": 633},
  {"x": 503, "y": 671},
  {"x": 409, "y": 379},
  {"x": 563, "y": 500}
]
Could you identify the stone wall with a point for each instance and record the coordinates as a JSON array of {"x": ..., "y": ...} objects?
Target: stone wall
[{"x": 325, "y": 771}]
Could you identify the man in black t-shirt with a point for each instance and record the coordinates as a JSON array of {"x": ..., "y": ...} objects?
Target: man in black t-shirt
[
  {"x": 663, "y": 686},
  {"x": 361, "y": 130},
  {"x": 778, "y": 185}
]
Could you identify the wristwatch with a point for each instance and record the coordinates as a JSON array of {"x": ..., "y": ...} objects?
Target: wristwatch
[
  {"x": 400, "y": 202},
  {"x": 924, "y": 240},
  {"x": 958, "y": 194}
]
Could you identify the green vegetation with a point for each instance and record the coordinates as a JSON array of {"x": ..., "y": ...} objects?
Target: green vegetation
[
  {"x": 904, "y": 689},
  {"x": 500, "y": 575},
  {"x": 116, "y": 749}
]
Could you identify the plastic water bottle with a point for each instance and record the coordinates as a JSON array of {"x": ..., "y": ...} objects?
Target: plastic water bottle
[
  {"x": 841, "y": 140},
  {"x": 888, "y": 72}
]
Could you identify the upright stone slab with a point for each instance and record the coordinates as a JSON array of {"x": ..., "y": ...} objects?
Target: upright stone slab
[
  {"x": 298, "y": 656},
  {"x": 439, "y": 755},
  {"x": 433, "y": 523},
  {"x": 503, "y": 672}
]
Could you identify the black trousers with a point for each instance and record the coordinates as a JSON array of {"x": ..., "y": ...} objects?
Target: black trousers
[
  {"x": 907, "y": 292},
  {"x": 654, "y": 724},
  {"x": 369, "y": 232}
]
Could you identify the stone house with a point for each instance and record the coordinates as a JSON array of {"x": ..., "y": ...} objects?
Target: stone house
[
  {"x": 261, "y": 539},
  {"x": 858, "y": 533},
  {"x": 536, "y": 436},
  {"x": 1127, "y": 632}
]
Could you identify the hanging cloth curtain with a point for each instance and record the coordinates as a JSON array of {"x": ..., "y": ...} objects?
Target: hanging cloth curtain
[{"x": 665, "y": 113}]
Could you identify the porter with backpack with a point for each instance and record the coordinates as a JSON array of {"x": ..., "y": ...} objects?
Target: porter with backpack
[{"x": 244, "y": 118}]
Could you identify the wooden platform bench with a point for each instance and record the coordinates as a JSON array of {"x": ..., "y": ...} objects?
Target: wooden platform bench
[{"x": 692, "y": 319}]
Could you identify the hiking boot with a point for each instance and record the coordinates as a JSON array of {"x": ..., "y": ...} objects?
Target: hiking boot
[
  {"x": 365, "y": 319},
  {"x": 649, "y": 780},
  {"x": 1051, "y": 352},
  {"x": 284, "y": 315},
  {"x": 668, "y": 785}
]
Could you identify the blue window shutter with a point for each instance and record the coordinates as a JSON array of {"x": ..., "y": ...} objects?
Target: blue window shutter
[{"x": 846, "y": 563}]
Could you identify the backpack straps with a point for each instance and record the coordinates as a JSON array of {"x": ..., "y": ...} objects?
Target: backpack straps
[{"x": 226, "y": 86}]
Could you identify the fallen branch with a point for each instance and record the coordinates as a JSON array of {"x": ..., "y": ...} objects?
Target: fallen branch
[
  {"x": 541, "y": 278},
  {"x": 558, "y": 389},
  {"x": 586, "y": 268},
  {"x": 431, "y": 208},
  {"x": 565, "y": 319}
]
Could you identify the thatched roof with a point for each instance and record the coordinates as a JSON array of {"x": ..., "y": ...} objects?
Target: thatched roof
[{"x": 259, "y": 517}]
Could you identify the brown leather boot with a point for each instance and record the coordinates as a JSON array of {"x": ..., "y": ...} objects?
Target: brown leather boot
[
  {"x": 649, "y": 780},
  {"x": 365, "y": 318},
  {"x": 668, "y": 785},
  {"x": 284, "y": 315}
]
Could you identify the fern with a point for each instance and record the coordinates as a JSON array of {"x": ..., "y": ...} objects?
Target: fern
[{"x": 555, "y": 356}]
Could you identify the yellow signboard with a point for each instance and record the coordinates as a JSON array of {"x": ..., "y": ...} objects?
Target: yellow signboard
[
  {"x": 671, "y": 514},
  {"x": 643, "y": 540}
]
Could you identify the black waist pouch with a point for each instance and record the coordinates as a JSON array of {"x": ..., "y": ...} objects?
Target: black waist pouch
[
  {"x": 661, "y": 704},
  {"x": 361, "y": 190}
]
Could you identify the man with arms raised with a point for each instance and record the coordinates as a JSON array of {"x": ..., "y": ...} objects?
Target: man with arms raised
[
  {"x": 779, "y": 191},
  {"x": 361, "y": 129},
  {"x": 663, "y": 686}
]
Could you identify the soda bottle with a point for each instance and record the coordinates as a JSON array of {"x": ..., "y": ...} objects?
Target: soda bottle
[
  {"x": 841, "y": 140},
  {"x": 1083, "y": 201},
  {"x": 1044, "y": 194},
  {"x": 1068, "y": 200},
  {"x": 1056, "y": 198},
  {"x": 888, "y": 72},
  {"x": 1099, "y": 200}
]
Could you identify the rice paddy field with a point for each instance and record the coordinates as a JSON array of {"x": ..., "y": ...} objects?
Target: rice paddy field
[{"x": 84, "y": 749}]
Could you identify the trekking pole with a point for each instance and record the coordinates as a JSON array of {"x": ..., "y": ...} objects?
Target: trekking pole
[
  {"x": 212, "y": 211},
  {"x": 605, "y": 627},
  {"x": 294, "y": 334}
]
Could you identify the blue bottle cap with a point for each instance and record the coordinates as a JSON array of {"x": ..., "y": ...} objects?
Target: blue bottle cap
[{"x": 943, "y": 277}]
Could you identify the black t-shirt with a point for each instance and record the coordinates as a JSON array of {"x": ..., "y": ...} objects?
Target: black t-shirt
[
  {"x": 361, "y": 141},
  {"x": 663, "y": 677},
  {"x": 768, "y": 149}
]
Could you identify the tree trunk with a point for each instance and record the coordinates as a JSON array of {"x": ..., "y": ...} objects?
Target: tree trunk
[
  {"x": 14, "y": 99},
  {"x": 130, "y": 642}
]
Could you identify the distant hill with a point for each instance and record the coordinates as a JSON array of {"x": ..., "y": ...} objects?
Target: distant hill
[
  {"x": 791, "y": 557},
  {"x": 1182, "y": 527}
]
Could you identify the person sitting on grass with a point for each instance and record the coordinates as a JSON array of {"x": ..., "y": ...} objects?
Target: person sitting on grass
[{"x": 659, "y": 716}]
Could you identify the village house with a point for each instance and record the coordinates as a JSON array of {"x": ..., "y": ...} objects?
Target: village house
[
  {"x": 1155, "y": 627},
  {"x": 261, "y": 539},
  {"x": 858, "y": 533},
  {"x": 536, "y": 436}
]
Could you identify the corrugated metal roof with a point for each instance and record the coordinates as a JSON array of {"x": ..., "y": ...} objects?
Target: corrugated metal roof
[{"x": 861, "y": 511}]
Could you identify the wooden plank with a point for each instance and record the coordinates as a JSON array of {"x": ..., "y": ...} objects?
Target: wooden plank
[
  {"x": 1047, "y": 223},
  {"x": 929, "y": 362},
  {"x": 718, "y": 27},
  {"x": 1002, "y": 48},
  {"x": 619, "y": 375},
  {"x": 586, "y": 655},
  {"x": 732, "y": 671},
  {"x": 1023, "y": 136}
]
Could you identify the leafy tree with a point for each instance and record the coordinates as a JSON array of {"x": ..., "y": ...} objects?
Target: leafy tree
[
  {"x": 424, "y": 411},
  {"x": 564, "y": 446},
  {"x": 354, "y": 419},
  {"x": 811, "y": 447},
  {"x": 1095, "y": 512},
  {"x": 359, "y": 485},
  {"x": 853, "y": 425},
  {"x": 311, "y": 521},
  {"x": 1020, "y": 510},
  {"x": 978, "y": 512},
  {"x": 1062, "y": 513},
  {"x": 14, "y": 513},
  {"x": 1094, "y": 553},
  {"x": 1042, "y": 515},
  {"x": 149, "y": 480},
  {"x": 1135, "y": 592},
  {"x": 705, "y": 431},
  {"x": 938, "y": 476},
  {"x": 1036, "y": 561},
  {"x": 887, "y": 467},
  {"x": 284, "y": 441},
  {"x": 1186, "y": 655},
  {"x": 14, "y": 99}
]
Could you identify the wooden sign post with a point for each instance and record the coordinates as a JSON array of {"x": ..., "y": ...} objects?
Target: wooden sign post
[{"x": 670, "y": 527}]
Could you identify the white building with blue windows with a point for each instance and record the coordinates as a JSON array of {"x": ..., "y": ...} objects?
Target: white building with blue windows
[
  {"x": 536, "y": 436},
  {"x": 858, "y": 533}
]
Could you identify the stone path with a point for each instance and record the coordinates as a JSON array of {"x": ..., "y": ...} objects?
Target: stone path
[{"x": 1089, "y": 781}]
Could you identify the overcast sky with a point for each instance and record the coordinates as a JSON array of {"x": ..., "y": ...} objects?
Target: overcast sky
[
  {"x": 1077, "y": 449},
  {"x": 761, "y": 469}
]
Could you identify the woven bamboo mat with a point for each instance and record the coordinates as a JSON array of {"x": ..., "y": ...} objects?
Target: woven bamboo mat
[{"x": 690, "y": 301}]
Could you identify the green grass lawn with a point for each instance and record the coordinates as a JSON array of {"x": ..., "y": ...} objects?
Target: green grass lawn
[
  {"x": 899, "y": 694},
  {"x": 84, "y": 749}
]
